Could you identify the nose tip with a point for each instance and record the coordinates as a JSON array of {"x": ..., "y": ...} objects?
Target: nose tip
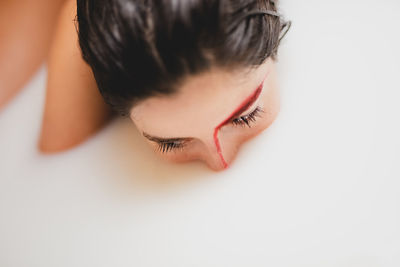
[
  {"x": 218, "y": 160},
  {"x": 217, "y": 166},
  {"x": 220, "y": 153}
]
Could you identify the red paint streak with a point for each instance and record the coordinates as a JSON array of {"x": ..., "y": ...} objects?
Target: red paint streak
[
  {"x": 216, "y": 140},
  {"x": 239, "y": 110}
]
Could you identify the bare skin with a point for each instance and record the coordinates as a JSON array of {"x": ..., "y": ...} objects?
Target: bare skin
[
  {"x": 32, "y": 32},
  {"x": 26, "y": 30},
  {"x": 74, "y": 108},
  {"x": 202, "y": 103}
]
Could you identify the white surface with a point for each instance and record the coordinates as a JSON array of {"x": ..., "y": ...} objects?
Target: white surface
[{"x": 319, "y": 188}]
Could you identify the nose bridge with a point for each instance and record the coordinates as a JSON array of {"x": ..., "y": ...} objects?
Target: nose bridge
[
  {"x": 213, "y": 154},
  {"x": 218, "y": 147}
]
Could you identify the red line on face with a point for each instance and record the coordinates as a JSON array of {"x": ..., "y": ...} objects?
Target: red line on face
[{"x": 239, "y": 110}]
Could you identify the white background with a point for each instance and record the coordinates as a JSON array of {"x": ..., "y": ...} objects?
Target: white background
[{"x": 320, "y": 187}]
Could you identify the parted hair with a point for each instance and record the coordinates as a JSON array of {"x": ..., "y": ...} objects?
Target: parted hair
[{"x": 141, "y": 48}]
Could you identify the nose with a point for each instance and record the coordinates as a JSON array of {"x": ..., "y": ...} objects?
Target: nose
[
  {"x": 214, "y": 161},
  {"x": 219, "y": 152}
]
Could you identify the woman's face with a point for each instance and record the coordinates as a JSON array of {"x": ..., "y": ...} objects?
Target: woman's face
[{"x": 211, "y": 116}]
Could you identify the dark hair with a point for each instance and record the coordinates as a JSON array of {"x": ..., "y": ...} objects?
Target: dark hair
[{"x": 141, "y": 48}]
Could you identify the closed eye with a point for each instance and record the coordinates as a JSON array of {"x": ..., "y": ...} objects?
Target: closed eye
[
  {"x": 246, "y": 120},
  {"x": 249, "y": 118}
]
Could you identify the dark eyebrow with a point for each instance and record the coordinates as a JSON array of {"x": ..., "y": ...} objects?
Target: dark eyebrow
[{"x": 239, "y": 110}]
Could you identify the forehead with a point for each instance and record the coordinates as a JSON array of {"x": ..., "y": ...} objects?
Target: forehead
[{"x": 201, "y": 103}]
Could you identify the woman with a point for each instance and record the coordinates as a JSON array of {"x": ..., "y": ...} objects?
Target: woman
[{"x": 196, "y": 77}]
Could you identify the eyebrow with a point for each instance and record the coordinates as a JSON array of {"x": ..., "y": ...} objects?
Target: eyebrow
[{"x": 239, "y": 110}]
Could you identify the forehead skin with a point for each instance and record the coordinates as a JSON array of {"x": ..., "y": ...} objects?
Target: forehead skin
[{"x": 202, "y": 102}]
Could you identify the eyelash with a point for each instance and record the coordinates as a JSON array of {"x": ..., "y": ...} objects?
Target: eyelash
[
  {"x": 245, "y": 120},
  {"x": 165, "y": 147}
]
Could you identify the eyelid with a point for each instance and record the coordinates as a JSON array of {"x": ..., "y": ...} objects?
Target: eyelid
[
  {"x": 253, "y": 106},
  {"x": 164, "y": 140},
  {"x": 251, "y": 109},
  {"x": 176, "y": 141},
  {"x": 168, "y": 141},
  {"x": 249, "y": 118}
]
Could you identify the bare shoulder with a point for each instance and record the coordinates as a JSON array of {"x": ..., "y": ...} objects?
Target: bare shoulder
[
  {"x": 26, "y": 28},
  {"x": 74, "y": 109}
]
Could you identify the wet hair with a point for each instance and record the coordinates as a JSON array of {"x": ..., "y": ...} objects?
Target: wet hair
[{"x": 142, "y": 48}]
